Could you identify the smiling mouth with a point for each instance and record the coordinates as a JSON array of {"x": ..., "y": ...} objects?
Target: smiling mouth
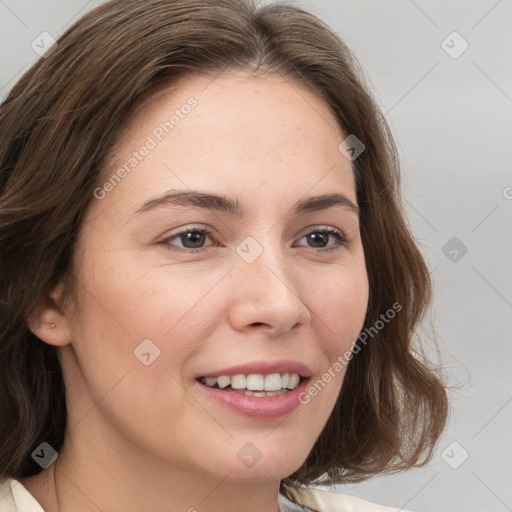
[{"x": 254, "y": 384}]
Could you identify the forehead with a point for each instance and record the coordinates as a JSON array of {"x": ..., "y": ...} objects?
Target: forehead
[{"x": 234, "y": 133}]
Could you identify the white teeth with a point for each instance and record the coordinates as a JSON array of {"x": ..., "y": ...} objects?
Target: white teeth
[
  {"x": 223, "y": 381},
  {"x": 271, "y": 383},
  {"x": 293, "y": 381},
  {"x": 211, "y": 381},
  {"x": 255, "y": 382},
  {"x": 265, "y": 393},
  {"x": 238, "y": 381},
  {"x": 255, "y": 393}
]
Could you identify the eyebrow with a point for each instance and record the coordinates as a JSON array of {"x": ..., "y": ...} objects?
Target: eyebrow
[{"x": 234, "y": 207}]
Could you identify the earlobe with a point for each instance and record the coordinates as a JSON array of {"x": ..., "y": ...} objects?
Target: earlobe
[{"x": 48, "y": 322}]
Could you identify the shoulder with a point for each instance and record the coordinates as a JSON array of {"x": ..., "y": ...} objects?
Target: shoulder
[
  {"x": 6, "y": 498},
  {"x": 326, "y": 501},
  {"x": 15, "y": 498}
]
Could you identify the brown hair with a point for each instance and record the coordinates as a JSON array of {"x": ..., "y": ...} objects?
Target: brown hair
[{"x": 58, "y": 125}]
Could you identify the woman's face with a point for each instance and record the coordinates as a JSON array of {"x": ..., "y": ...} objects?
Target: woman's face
[{"x": 162, "y": 304}]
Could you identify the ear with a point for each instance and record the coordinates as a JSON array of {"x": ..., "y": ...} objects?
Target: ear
[{"x": 48, "y": 322}]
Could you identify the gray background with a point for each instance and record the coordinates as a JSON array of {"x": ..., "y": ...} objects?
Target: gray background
[{"x": 451, "y": 116}]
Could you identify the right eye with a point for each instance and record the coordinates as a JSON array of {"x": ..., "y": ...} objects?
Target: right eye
[{"x": 192, "y": 239}]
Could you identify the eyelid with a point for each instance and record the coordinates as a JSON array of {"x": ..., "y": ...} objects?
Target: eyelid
[
  {"x": 320, "y": 227},
  {"x": 187, "y": 228},
  {"x": 204, "y": 227},
  {"x": 339, "y": 234}
]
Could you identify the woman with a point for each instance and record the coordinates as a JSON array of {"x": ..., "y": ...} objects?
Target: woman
[{"x": 209, "y": 289}]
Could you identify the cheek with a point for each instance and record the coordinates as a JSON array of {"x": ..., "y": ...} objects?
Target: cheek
[
  {"x": 123, "y": 316},
  {"x": 122, "y": 304},
  {"x": 339, "y": 305}
]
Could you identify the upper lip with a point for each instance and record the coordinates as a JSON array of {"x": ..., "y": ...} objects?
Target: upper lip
[{"x": 262, "y": 367}]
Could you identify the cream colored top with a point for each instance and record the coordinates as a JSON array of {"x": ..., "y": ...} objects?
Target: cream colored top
[{"x": 15, "y": 498}]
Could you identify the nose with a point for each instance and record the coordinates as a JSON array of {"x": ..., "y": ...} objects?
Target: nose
[{"x": 266, "y": 294}]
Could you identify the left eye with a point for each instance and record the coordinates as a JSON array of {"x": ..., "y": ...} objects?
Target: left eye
[
  {"x": 193, "y": 239},
  {"x": 322, "y": 235}
]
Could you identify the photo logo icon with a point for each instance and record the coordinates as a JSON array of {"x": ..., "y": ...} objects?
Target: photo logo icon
[
  {"x": 249, "y": 455},
  {"x": 44, "y": 455},
  {"x": 249, "y": 249},
  {"x": 44, "y": 44},
  {"x": 454, "y": 45},
  {"x": 146, "y": 352},
  {"x": 454, "y": 455},
  {"x": 454, "y": 249},
  {"x": 351, "y": 147}
]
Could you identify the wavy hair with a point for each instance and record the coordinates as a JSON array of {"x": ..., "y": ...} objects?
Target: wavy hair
[{"x": 60, "y": 121}]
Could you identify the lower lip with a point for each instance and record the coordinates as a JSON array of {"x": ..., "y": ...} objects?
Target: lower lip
[{"x": 265, "y": 407}]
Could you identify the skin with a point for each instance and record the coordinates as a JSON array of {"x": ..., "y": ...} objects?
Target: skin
[{"x": 144, "y": 437}]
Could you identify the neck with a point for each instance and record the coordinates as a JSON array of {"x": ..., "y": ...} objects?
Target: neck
[{"x": 87, "y": 480}]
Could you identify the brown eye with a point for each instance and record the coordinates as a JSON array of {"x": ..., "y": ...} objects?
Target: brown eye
[
  {"x": 192, "y": 240},
  {"x": 319, "y": 238}
]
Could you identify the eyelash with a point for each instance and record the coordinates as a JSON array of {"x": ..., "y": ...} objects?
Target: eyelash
[{"x": 338, "y": 235}]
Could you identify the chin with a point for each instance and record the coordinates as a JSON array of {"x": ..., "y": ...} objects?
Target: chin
[
  {"x": 264, "y": 460},
  {"x": 263, "y": 472}
]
